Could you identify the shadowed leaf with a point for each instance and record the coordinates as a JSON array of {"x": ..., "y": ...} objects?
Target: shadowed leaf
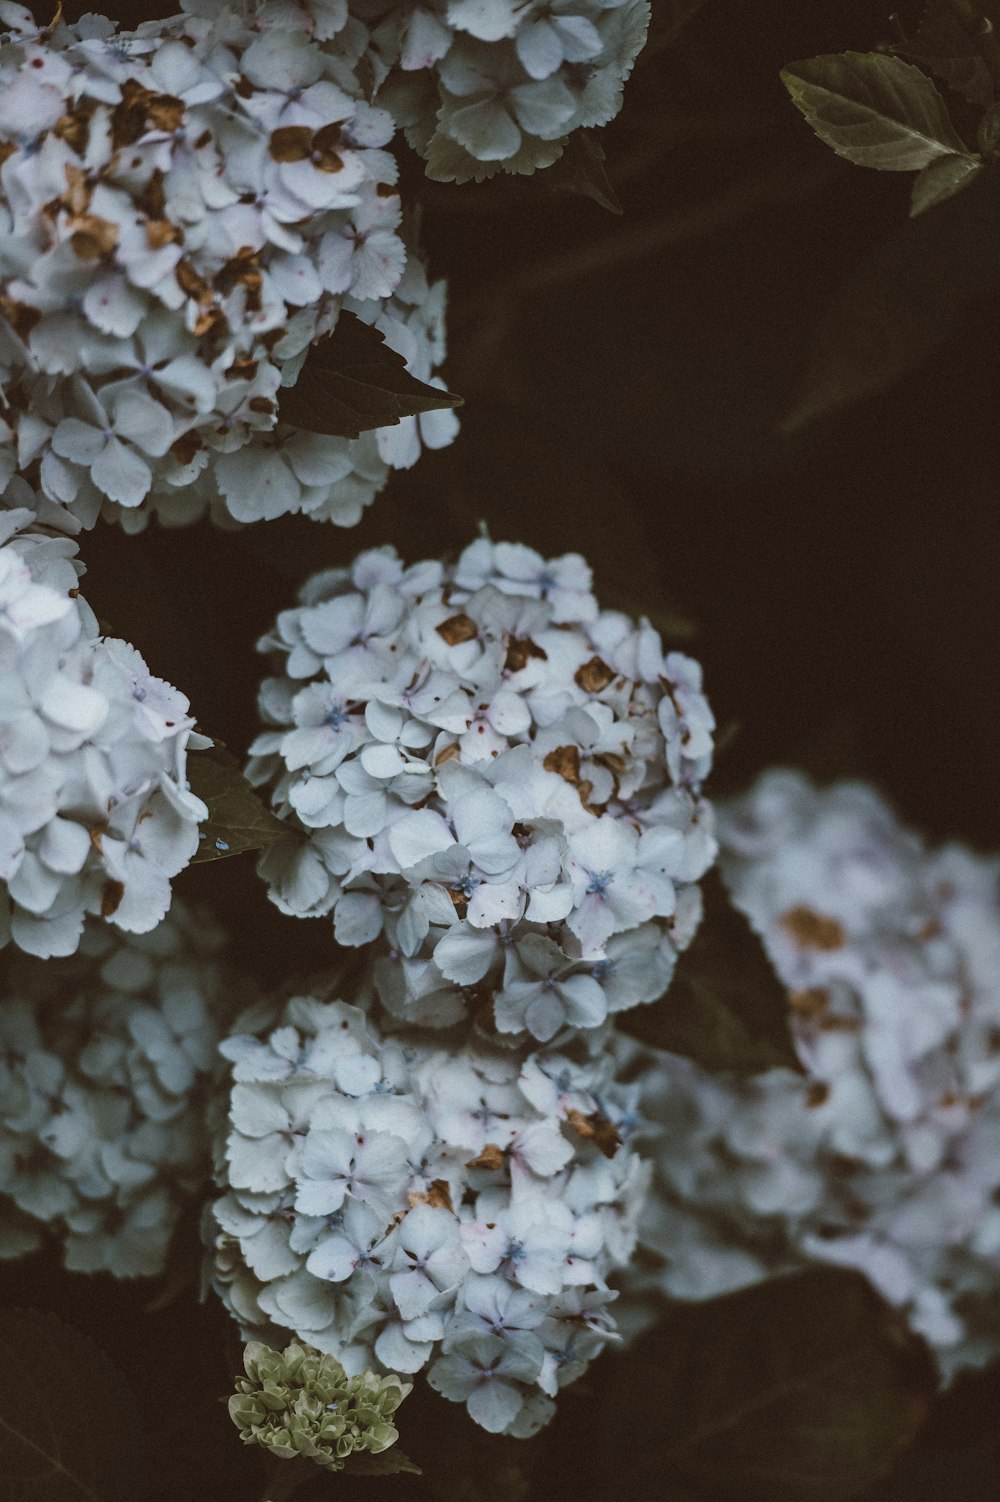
[
  {"x": 68, "y": 1425},
  {"x": 956, "y": 42},
  {"x": 801, "y": 1389},
  {"x": 352, "y": 382},
  {"x": 390, "y": 1462},
  {"x": 876, "y": 111},
  {"x": 238, "y": 819},
  {"x": 581, "y": 169},
  {"x": 942, "y": 178},
  {"x": 725, "y": 1008},
  {"x": 916, "y": 289}
]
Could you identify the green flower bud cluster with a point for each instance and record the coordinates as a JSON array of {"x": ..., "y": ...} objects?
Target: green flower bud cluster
[{"x": 301, "y": 1402}]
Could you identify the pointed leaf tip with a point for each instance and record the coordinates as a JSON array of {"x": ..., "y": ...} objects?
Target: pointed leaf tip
[{"x": 353, "y": 381}]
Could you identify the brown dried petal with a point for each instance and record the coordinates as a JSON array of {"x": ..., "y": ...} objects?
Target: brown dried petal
[
  {"x": 291, "y": 143},
  {"x": 490, "y": 1158},
  {"x": 593, "y": 676},
  {"x": 191, "y": 282},
  {"x": 208, "y": 319},
  {"x": 438, "y": 1196},
  {"x": 111, "y": 897},
  {"x": 185, "y": 447},
  {"x": 458, "y": 629},
  {"x": 564, "y": 760},
  {"x": 520, "y": 649},
  {"x": 812, "y": 930},
  {"x": 74, "y": 128},
  {"x": 597, "y": 1129},
  {"x": 811, "y": 1003},
  {"x": 92, "y": 237},
  {"x": 153, "y": 201},
  {"x": 160, "y": 232},
  {"x": 165, "y": 112},
  {"x": 78, "y": 189},
  {"x": 21, "y": 317}
]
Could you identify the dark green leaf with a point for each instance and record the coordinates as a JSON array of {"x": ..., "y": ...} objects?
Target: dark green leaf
[
  {"x": 68, "y": 1420},
  {"x": 917, "y": 289},
  {"x": 581, "y": 169},
  {"x": 352, "y": 382},
  {"x": 238, "y": 818},
  {"x": 801, "y": 1389},
  {"x": 955, "y": 42},
  {"x": 725, "y": 1007},
  {"x": 940, "y": 179},
  {"x": 876, "y": 111},
  {"x": 390, "y": 1462}
]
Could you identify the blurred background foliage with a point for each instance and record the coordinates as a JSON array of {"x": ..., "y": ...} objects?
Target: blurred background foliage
[{"x": 625, "y": 380}]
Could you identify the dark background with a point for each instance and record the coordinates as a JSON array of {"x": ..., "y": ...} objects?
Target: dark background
[{"x": 625, "y": 381}]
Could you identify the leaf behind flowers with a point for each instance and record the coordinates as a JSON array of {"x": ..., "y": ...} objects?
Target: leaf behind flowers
[
  {"x": 725, "y": 1008},
  {"x": 957, "y": 40},
  {"x": 68, "y": 1419},
  {"x": 917, "y": 288},
  {"x": 238, "y": 818},
  {"x": 800, "y": 1389},
  {"x": 352, "y": 382}
]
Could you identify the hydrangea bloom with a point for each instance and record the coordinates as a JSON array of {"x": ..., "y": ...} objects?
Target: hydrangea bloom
[
  {"x": 484, "y": 85},
  {"x": 95, "y": 812},
  {"x": 885, "y": 1155},
  {"x": 183, "y": 211},
  {"x": 493, "y": 774},
  {"x": 396, "y": 1202},
  {"x": 105, "y": 1059}
]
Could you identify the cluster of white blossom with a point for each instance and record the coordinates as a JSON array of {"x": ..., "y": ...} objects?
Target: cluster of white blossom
[
  {"x": 95, "y": 812},
  {"x": 493, "y": 777},
  {"x": 885, "y": 1155},
  {"x": 482, "y": 86},
  {"x": 395, "y": 1202},
  {"x": 105, "y": 1059},
  {"x": 184, "y": 210}
]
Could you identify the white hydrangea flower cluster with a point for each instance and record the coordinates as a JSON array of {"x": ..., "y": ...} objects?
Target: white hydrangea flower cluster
[
  {"x": 885, "y": 1155},
  {"x": 105, "y": 1060},
  {"x": 95, "y": 812},
  {"x": 183, "y": 211},
  {"x": 483, "y": 86},
  {"x": 495, "y": 779},
  {"x": 395, "y": 1202}
]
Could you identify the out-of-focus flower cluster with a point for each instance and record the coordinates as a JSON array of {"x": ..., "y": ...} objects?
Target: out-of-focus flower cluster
[
  {"x": 301, "y": 1402},
  {"x": 183, "y": 211},
  {"x": 885, "y": 1156},
  {"x": 395, "y": 1202},
  {"x": 95, "y": 812},
  {"x": 495, "y": 777},
  {"x": 105, "y": 1061}
]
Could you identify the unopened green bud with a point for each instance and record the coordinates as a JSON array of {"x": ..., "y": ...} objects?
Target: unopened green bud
[{"x": 300, "y": 1402}]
